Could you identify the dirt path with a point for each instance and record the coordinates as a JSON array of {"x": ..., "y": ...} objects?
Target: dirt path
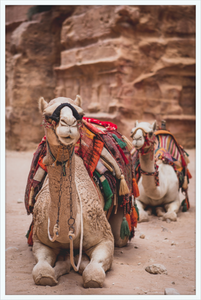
[{"x": 170, "y": 244}]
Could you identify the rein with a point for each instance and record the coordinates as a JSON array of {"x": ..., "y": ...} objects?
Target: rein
[
  {"x": 144, "y": 150},
  {"x": 71, "y": 220}
]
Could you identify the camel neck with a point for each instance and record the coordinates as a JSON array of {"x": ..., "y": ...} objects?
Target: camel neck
[
  {"x": 63, "y": 205},
  {"x": 147, "y": 162}
]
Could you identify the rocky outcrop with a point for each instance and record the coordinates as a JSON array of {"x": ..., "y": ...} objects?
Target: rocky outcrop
[
  {"x": 127, "y": 62},
  {"x": 33, "y": 49}
]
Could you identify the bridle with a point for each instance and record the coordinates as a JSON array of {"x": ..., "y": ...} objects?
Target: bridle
[
  {"x": 148, "y": 147},
  {"x": 50, "y": 122}
]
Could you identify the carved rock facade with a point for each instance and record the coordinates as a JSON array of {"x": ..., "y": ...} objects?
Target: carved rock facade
[{"x": 127, "y": 63}]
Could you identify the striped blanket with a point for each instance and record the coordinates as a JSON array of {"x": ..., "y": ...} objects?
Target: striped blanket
[
  {"x": 170, "y": 152},
  {"x": 94, "y": 135}
]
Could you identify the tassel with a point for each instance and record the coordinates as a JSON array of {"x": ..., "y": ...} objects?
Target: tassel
[
  {"x": 124, "y": 231},
  {"x": 128, "y": 219},
  {"x": 134, "y": 217},
  {"x": 185, "y": 184},
  {"x": 29, "y": 235},
  {"x": 184, "y": 205},
  {"x": 136, "y": 192},
  {"x": 128, "y": 143},
  {"x": 108, "y": 204},
  {"x": 137, "y": 211},
  {"x": 123, "y": 189},
  {"x": 189, "y": 174},
  {"x": 183, "y": 161}
]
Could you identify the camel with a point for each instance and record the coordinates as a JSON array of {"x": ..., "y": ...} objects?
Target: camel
[
  {"x": 158, "y": 183},
  {"x": 68, "y": 215}
]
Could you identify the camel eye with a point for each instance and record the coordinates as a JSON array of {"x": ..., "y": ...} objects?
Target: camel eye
[
  {"x": 75, "y": 123},
  {"x": 150, "y": 134},
  {"x": 63, "y": 123}
]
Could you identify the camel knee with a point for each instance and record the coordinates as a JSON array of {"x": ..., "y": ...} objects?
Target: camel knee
[{"x": 62, "y": 266}]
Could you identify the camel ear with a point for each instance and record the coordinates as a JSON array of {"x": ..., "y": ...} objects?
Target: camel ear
[
  {"x": 136, "y": 123},
  {"x": 42, "y": 104},
  {"x": 154, "y": 125},
  {"x": 78, "y": 101}
]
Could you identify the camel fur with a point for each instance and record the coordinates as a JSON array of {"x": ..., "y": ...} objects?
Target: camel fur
[
  {"x": 67, "y": 198},
  {"x": 164, "y": 197}
]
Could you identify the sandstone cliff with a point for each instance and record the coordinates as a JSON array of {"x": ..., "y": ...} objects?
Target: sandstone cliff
[{"x": 127, "y": 63}]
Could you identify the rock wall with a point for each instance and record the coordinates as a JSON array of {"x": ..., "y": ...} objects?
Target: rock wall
[{"x": 127, "y": 62}]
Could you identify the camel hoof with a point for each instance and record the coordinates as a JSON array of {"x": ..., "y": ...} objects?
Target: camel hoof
[
  {"x": 93, "y": 276},
  {"x": 172, "y": 216},
  {"x": 92, "y": 284},
  {"x": 143, "y": 216},
  {"x": 45, "y": 281},
  {"x": 43, "y": 274},
  {"x": 121, "y": 243}
]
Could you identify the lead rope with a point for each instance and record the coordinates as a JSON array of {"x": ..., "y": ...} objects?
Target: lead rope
[
  {"x": 56, "y": 227},
  {"x": 72, "y": 236},
  {"x": 71, "y": 222}
]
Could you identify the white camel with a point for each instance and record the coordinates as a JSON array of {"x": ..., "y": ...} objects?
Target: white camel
[
  {"x": 163, "y": 197},
  {"x": 68, "y": 214}
]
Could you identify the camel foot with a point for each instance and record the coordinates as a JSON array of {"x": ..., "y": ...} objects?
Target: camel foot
[
  {"x": 172, "y": 216},
  {"x": 149, "y": 211},
  {"x": 43, "y": 274},
  {"x": 143, "y": 216},
  {"x": 93, "y": 276},
  {"x": 92, "y": 284},
  {"x": 160, "y": 211},
  {"x": 121, "y": 243}
]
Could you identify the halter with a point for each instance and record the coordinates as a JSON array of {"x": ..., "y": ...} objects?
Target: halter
[
  {"x": 50, "y": 123},
  {"x": 148, "y": 142},
  {"x": 56, "y": 114}
]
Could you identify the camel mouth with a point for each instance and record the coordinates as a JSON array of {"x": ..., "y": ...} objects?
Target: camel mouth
[{"x": 66, "y": 140}]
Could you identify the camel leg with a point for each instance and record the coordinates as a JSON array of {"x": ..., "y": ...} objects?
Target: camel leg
[
  {"x": 172, "y": 210},
  {"x": 84, "y": 262},
  {"x": 149, "y": 211},
  {"x": 63, "y": 265},
  {"x": 101, "y": 260},
  {"x": 115, "y": 223},
  {"x": 143, "y": 215},
  {"x": 160, "y": 211},
  {"x": 43, "y": 273}
]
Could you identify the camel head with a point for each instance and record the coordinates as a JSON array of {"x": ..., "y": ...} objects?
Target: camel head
[
  {"x": 142, "y": 133},
  {"x": 61, "y": 119}
]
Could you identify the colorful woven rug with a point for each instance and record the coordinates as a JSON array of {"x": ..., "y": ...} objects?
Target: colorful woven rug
[
  {"x": 170, "y": 152},
  {"x": 94, "y": 135}
]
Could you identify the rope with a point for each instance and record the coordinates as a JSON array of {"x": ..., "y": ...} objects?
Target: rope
[
  {"x": 152, "y": 174},
  {"x": 56, "y": 230},
  {"x": 72, "y": 236}
]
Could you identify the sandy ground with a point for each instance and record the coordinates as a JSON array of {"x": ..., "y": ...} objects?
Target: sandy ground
[{"x": 170, "y": 244}]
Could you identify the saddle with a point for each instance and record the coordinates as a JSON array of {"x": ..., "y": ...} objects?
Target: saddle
[
  {"x": 106, "y": 156},
  {"x": 169, "y": 152}
]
